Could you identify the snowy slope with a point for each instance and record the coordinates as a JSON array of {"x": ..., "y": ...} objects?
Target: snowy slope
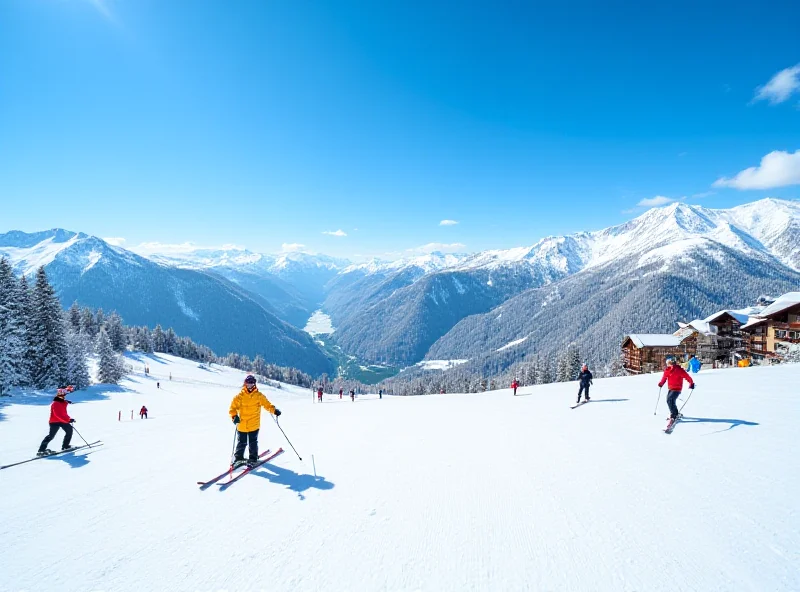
[{"x": 439, "y": 493}]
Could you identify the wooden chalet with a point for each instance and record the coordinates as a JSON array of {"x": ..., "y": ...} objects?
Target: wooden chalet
[
  {"x": 647, "y": 352},
  {"x": 776, "y": 326},
  {"x": 719, "y": 337}
]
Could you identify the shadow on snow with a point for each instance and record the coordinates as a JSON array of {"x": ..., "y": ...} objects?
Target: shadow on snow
[
  {"x": 75, "y": 461},
  {"x": 607, "y": 400},
  {"x": 733, "y": 422},
  {"x": 293, "y": 481}
]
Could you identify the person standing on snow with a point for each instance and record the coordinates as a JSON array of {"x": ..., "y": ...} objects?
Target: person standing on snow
[
  {"x": 143, "y": 412},
  {"x": 695, "y": 365},
  {"x": 380, "y": 394},
  {"x": 515, "y": 385},
  {"x": 586, "y": 381},
  {"x": 319, "y": 394},
  {"x": 674, "y": 376},
  {"x": 353, "y": 395},
  {"x": 245, "y": 412},
  {"x": 59, "y": 419},
  {"x": 341, "y": 390}
]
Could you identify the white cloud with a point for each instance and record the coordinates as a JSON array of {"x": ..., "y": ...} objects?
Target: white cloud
[
  {"x": 777, "y": 169},
  {"x": 780, "y": 87},
  {"x": 703, "y": 194},
  {"x": 117, "y": 241},
  {"x": 448, "y": 222},
  {"x": 338, "y": 233},
  {"x": 292, "y": 247},
  {"x": 658, "y": 200},
  {"x": 440, "y": 247}
]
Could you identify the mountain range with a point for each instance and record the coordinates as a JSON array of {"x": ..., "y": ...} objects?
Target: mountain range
[{"x": 494, "y": 307}]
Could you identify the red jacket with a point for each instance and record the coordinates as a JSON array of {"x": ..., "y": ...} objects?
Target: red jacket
[
  {"x": 674, "y": 376},
  {"x": 58, "y": 411}
]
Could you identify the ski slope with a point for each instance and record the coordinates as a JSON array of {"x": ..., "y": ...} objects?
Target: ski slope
[{"x": 437, "y": 493}]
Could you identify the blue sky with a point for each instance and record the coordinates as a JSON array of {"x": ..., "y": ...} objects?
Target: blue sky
[{"x": 271, "y": 123}]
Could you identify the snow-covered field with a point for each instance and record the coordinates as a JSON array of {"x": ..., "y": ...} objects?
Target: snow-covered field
[
  {"x": 319, "y": 323},
  {"x": 452, "y": 492}
]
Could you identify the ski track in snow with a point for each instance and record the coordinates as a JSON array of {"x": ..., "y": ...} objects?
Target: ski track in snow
[{"x": 441, "y": 493}]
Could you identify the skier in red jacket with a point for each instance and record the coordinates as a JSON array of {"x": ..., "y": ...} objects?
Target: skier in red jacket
[
  {"x": 514, "y": 386},
  {"x": 143, "y": 412},
  {"x": 59, "y": 418},
  {"x": 319, "y": 394},
  {"x": 674, "y": 376}
]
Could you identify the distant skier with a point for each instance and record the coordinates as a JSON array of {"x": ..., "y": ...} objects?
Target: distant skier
[
  {"x": 319, "y": 394},
  {"x": 245, "y": 412},
  {"x": 143, "y": 412},
  {"x": 695, "y": 365},
  {"x": 353, "y": 395},
  {"x": 158, "y": 385},
  {"x": 585, "y": 378},
  {"x": 341, "y": 391},
  {"x": 380, "y": 394},
  {"x": 515, "y": 385},
  {"x": 674, "y": 376},
  {"x": 59, "y": 419}
]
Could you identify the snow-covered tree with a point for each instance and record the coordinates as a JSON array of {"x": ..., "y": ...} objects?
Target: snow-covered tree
[
  {"x": 159, "y": 340},
  {"x": 88, "y": 324},
  {"x": 13, "y": 339},
  {"x": 49, "y": 366},
  {"x": 116, "y": 332},
  {"x": 110, "y": 369},
  {"x": 78, "y": 349},
  {"x": 573, "y": 362},
  {"x": 74, "y": 315}
]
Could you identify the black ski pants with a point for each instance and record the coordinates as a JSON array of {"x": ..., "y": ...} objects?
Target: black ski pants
[
  {"x": 54, "y": 427},
  {"x": 247, "y": 439},
  {"x": 584, "y": 387},
  {"x": 672, "y": 402}
]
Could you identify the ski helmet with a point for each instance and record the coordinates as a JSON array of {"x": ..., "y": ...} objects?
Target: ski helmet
[{"x": 250, "y": 379}]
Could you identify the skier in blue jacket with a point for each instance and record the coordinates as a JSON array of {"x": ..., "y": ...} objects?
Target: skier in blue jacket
[{"x": 694, "y": 364}]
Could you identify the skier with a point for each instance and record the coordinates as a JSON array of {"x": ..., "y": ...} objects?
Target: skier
[
  {"x": 586, "y": 381},
  {"x": 341, "y": 390},
  {"x": 674, "y": 376},
  {"x": 245, "y": 412},
  {"x": 380, "y": 394},
  {"x": 143, "y": 412},
  {"x": 59, "y": 418},
  {"x": 158, "y": 385},
  {"x": 319, "y": 394},
  {"x": 353, "y": 395},
  {"x": 695, "y": 365},
  {"x": 514, "y": 386}
]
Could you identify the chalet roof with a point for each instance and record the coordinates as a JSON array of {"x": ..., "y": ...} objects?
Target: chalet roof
[
  {"x": 788, "y": 300},
  {"x": 753, "y": 322},
  {"x": 736, "y": 314},
  {"x": 654, "y": 340}
]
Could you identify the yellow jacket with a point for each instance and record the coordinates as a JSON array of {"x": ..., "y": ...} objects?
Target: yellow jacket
[{"x": 248, "y": 407}]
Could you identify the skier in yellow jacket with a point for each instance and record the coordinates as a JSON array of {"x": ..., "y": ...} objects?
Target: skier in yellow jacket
[{"x": 246, "y": 414}]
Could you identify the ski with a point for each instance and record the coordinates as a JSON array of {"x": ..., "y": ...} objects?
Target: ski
[
  {"x": 229, "y": 471},
  {"x": 250, "y": 468},
  {"x": 671, "y": 425},
  {"x": 579, "y": 404},
  {"x": 74, "y": 449}
]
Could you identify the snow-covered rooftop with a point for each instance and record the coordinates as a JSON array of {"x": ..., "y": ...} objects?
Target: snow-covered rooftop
[
  {"x": 655, "y": 340},
  {"x": 788, "y": 300}
]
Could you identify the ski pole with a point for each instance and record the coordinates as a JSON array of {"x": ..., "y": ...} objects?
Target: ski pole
[
  {"x": 287, "y": 438},
  {"x": 233, "y": 446},
  {"x": 657, "y": 400},
  {"x": 81, "y": 437},
  {"x": 686, "y": 401}
]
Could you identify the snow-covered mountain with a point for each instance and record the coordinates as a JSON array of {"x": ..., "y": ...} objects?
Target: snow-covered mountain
[
  {"x": 397, "y": 317},
  {"x": 291, "y": 285},
  {"x": 197, "y": 304}
]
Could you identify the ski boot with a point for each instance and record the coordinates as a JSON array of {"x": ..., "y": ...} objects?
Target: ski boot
[
  {"x": 46, "y": 452},
  {"x": 251, "y": 462},
  {"x": 238, "y": 462}
]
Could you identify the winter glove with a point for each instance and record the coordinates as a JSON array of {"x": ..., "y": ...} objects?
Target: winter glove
[
  {"x": 72, "y": 421},
  {"x": 691, "y": 386},
  {"x": 277, "y": 412},
  {"x": 236, "y": 419}
]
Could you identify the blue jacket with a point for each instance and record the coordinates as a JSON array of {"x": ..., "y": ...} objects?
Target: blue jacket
[{"x": 694, "y": 365}]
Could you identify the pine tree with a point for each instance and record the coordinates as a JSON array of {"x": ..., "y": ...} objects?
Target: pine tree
[
  {"x": 50, "y": 356},
  {"x": 77, "y": 359},
  {"x": 74, "y": 315},
  {"x": 24, "y": 301},
  {"x": 88, "y": 325},
  {"x": 109, "y": 370},
  {"x": 13, "y": 341},
  {"x": 116, "y": 332},
  {"x": 159, "y": 340},
  {"x": 573, "y": 362}
]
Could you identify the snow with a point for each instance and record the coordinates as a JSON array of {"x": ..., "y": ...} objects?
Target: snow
[
  {"x": 439, "y": 493},
  {"x": 655, "y": 340},
  {"x": 319, "y": 324},
  {"x": 788, "y": 300},
  {"x": 27, "y": 260},
  {"x": 439, "y": 364},
  {"x": 511, "y": 344},
  {"x": 93, "y": 258}
]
